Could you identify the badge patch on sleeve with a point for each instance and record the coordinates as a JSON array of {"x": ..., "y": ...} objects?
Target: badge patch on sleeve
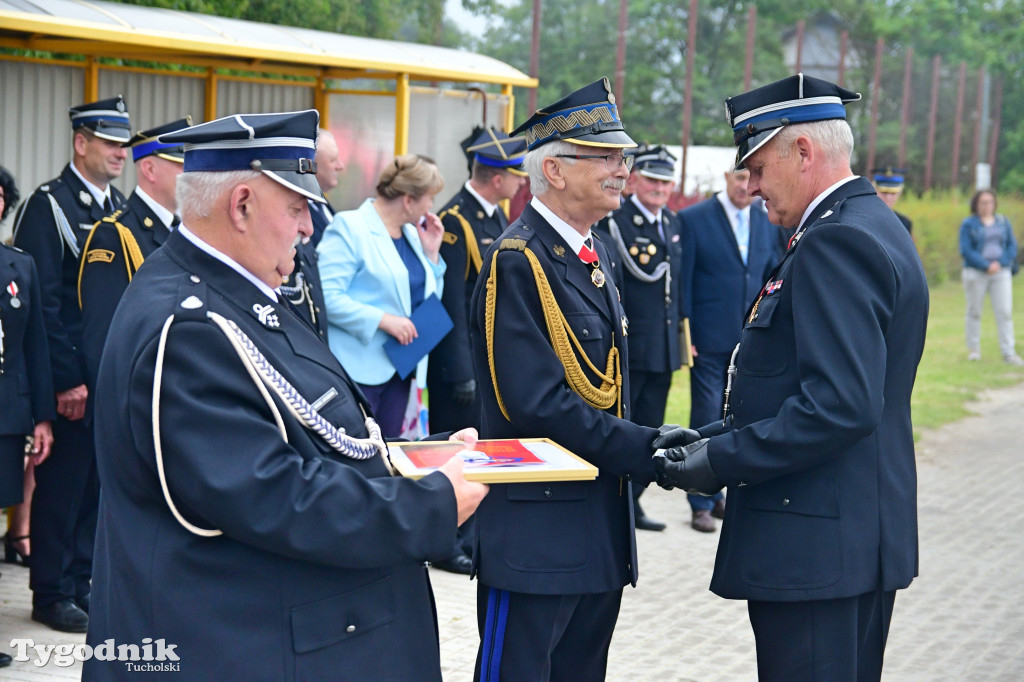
[{"x": 99, "y": 255}]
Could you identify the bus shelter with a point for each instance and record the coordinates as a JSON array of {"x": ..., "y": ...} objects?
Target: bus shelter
[{"x": 379, "y": 97}]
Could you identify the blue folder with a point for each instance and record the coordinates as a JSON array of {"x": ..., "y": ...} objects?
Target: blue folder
[{"x": 432, "y": 324}]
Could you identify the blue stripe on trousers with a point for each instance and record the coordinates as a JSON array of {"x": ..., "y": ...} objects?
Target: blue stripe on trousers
[{"x": 494, "y": 634}]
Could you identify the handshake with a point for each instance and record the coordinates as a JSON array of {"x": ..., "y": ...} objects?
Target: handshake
[{"x": 681, "y": 461}]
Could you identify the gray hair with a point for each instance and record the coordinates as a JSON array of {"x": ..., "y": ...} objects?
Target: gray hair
[
  {"x": 833, "y": 137},
  {"x": 533, "y": 163},
  {"x": 197, "y": 193}
]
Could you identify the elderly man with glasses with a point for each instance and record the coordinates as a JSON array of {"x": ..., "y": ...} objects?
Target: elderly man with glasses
[{"x": 549, "y": 341}]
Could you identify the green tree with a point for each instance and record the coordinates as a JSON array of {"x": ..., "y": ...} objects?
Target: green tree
[{"x": 578, "y": 42}]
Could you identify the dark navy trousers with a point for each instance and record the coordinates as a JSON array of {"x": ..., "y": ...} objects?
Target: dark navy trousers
[{"x": 544, "y": 638}]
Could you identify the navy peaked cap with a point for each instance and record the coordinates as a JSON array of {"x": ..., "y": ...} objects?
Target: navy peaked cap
[
  {"x": 757, "y": 116},
  {"x": 145, "y": 143},
  {"x": 587, "y": 116},
  {"x": 281, "y": 146},
  {"x": 496, "y": 149},
  {"x": 655, "y": 162},
  {"x": 106, "y": 118},
  {"x": 889, "y": 179}
]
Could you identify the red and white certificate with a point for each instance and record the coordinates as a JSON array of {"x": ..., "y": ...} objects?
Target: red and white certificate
[{"x": 495, "y": 461}]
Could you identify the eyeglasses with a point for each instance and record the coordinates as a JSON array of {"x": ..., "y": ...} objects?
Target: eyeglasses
[{"x": 611, "y": 161}]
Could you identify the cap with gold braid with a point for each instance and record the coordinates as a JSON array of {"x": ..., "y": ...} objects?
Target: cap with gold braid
[
  {"x": 496, "y": 149},
  {"x": 145, "y": 143},
  {"x": 588, "y": 117},
  {"x": 889, "y": 180}
]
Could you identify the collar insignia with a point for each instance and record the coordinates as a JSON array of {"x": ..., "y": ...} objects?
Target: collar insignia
[
  {"x": 85, "y": 198},
  {"x": 559, "y": 250},
  {"x": 266, "y": 314}
]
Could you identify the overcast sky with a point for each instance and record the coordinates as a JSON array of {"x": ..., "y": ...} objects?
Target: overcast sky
[{"x": 466, "y": 21}]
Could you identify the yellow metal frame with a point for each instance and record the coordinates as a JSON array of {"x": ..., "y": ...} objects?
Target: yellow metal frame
[
  {"x": 62, "y": 35},
  {"x": 27, "y": 31}
]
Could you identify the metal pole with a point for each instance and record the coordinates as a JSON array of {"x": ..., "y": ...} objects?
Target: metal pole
[
  {"x": 908, "y": 68},
  {"x": 844, "y": 39},
  {"x": 691, "y": 48},
  {"x": 534, "y": 55},
  {"x": 799, "y": 44},
  {"x": 402, "y": 114},
  {"x": 876, "y": 89},
  {"x": 748, "y": 67},
  {"x": 976, "y": 154},
  {"x": 620, "y": 56},
  {"x": 932, "y": 113},
  {"x": 961, "y": 82},
  {"x": 997, "y": 120}
]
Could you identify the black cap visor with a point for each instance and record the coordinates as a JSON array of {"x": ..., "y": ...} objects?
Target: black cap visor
[
  {"x": 107, "y": 131},
  {"x": 751, "y": 144},
  {"x": 303, "y": 183}
]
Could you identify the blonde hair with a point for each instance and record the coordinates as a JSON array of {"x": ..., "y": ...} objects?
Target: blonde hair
[{"x": 410, "y": 174}]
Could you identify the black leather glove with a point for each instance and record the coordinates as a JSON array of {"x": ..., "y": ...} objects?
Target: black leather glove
[
  {"x": 674, "y": 436},
  {"x": 688, "y": 468},
  {"x": 464, "y": 392}
]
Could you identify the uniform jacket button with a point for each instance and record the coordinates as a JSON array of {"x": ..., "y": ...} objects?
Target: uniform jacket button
[
  {"x": 547, "y": 492},
  {"x": 785, "y": 501},
  {"x": 350, "y": 628},
  {"x": 586, "y": 332}
]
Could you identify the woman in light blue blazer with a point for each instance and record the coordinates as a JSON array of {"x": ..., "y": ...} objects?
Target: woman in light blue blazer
[{"x": 377, "y": 264}]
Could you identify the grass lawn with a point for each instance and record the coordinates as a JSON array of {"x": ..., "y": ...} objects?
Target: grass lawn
[{"x": 945, "y": 380}]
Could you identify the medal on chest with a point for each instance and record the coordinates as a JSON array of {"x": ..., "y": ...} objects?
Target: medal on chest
[{"x": 13, "y": 290}]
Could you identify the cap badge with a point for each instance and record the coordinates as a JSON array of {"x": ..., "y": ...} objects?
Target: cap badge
[{"x": 608, "y": 87}]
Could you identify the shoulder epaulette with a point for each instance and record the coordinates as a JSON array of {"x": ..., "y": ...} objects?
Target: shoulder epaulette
[
  {"x": 473, "y": 257},
  {"x": 48, "y": 187},
  {"x": 133, "y": 257},
  {"x": 513, "y": 244}
]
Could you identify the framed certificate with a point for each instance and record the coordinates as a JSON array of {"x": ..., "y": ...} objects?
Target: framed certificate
[{"x": 526, "y": 460}]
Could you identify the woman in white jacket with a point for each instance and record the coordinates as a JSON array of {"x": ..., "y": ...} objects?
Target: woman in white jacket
[{"x": 377, "y": 264}]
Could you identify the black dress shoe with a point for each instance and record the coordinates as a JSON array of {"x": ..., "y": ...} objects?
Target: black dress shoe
[
  {"x": 647, "y": 523},
  {"x": 5, "y": 660},
  {"x": 63, "y": 615},
  {"x": 460, "y": 563},
  {"x": 83, "y": 601}
]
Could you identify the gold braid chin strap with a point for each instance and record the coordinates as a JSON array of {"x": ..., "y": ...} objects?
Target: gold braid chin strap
[{"x": 562, "y": 340}]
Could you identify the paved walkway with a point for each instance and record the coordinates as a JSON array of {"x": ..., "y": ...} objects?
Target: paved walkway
[{"x": 961, "y": 620}]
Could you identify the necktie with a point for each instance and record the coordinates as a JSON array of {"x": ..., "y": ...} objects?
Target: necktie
[
  {"x": 742, "y": 234},
  {"x": 587, "y": 253},
  {"x": 175, "y": 222},
  {"x": 107, "y": 206}
]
